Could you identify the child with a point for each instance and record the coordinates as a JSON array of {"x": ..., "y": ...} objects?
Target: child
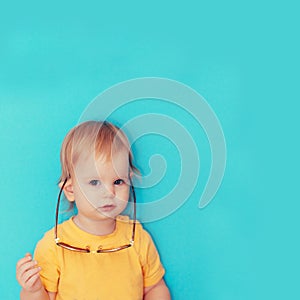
[{"x": 96, "y": 254}]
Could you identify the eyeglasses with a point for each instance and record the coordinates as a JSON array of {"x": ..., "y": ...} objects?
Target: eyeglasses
[{"x": 99, "y": 250}]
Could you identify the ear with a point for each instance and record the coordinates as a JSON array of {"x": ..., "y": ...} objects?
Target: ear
[
  {"x": 131, "y": 175},
  {"x": 68, "y": 190}
]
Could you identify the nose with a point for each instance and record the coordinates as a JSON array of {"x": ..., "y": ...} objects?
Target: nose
[{"x": 109, "y": 191}]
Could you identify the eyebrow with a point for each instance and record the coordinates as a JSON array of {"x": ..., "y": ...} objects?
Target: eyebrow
[{"x": 98, "y": 177}]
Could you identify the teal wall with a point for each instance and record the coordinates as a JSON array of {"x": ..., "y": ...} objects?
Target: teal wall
[{"x": 242, "y": 58}]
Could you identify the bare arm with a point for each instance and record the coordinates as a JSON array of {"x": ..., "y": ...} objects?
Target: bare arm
[
  {"x": 158, "y": 291},
  {"x": 38, "y": 295},
  {"x": 29, "y": 278}
]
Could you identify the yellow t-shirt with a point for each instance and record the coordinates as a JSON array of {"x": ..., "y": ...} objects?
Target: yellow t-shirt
[{"x": 95, "y": 276}]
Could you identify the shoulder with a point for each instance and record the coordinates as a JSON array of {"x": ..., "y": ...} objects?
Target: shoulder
[
  {"x": 126, "y": 227},
  {"x": 47, "y": 238},
  {"x": 47, "y": 242},
  {"x": 142, "y": 235},
  {"x": 125, "y": 223},
  {"x": 149, "y": 258},
  {"x": 45, "y": 247}
]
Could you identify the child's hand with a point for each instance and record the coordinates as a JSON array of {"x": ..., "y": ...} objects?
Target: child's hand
[{"x": 28, "y": 274}]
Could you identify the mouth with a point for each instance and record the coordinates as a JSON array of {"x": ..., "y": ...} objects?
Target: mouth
[{"x": 107, "y": 208}]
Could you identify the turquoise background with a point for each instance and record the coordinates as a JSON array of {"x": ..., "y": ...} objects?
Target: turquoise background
[{"x": 242, "y": 57}]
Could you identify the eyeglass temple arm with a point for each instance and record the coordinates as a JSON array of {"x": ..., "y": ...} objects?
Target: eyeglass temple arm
[
  {"x": 57, "y": 206},
  {"x": 134, "y": 210}
]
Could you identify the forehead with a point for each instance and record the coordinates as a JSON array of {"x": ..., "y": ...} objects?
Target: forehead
[{"x": 115, "y": 164}]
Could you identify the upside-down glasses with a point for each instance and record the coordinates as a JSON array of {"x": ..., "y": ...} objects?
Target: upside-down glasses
[{"x": 99, "y": 250}]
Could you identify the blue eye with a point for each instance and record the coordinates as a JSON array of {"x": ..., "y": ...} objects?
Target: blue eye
[
  {"x": 119, "y": 182},
  {"x": 94, "y": 182}
]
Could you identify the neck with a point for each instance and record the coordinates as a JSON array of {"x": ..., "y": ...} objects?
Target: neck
[{"x": 95, "y": 227}]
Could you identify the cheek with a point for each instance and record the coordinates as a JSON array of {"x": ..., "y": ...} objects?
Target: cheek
[
  {"x": 82, "y": 194},
  {"x": 78, "y": 192},
  {"x": 123, "y": 194}
]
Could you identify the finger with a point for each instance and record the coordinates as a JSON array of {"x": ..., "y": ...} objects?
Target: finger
[
  {"x": 25, "y": 268},
  {"x": 24, "y": 260},
  {"x": 22, "y": 266},
  {"x": 23, "y": 277},
  {"x": 30, "y": 273},
  {"x": 32, "y": 280}
]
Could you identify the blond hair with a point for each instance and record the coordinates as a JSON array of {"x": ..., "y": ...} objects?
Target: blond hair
[{"x": 100, "y": 138}]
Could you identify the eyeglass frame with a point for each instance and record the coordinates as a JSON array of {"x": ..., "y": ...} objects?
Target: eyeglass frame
[{"x": 87, "y": 249}]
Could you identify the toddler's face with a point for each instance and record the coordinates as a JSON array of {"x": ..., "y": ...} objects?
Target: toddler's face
[{"x": 101, "y": 188}]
